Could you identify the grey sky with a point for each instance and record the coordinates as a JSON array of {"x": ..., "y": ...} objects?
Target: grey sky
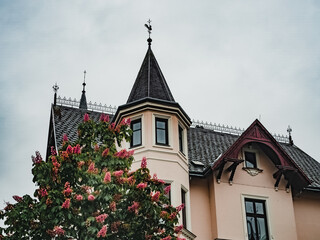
[{"x": 225, "y": 61}]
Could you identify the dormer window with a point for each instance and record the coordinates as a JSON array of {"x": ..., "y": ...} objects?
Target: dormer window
[
  {"x": 136, "y": 133},
  {"x": 162, "y": 131},
  {"x": 250, "y": 159}
]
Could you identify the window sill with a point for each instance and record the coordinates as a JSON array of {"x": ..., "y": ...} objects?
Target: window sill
[
  {"x": 163, "y": 146},
  {"x": 136, "y": 147},
  {"x": 252, "y": 171}
]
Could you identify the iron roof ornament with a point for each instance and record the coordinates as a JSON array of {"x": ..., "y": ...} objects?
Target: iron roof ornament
[
  {"x": 55, "y": 89},
  {"x": 149, "y": 27}
]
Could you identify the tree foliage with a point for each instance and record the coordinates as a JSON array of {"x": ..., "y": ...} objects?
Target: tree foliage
[{"x": 87, "y": 191}]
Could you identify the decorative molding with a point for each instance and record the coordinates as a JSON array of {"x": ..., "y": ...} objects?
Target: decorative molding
[
  {"x": 252, "y": 171},
  {"x": 187, "y": 234},
  {"x": 234, "y": 130},
  {"x": 91, "y": 106}
]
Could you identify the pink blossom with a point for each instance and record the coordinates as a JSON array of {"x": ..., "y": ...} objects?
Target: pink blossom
[
  {"x": 102, "y": 232},
  {"x": 166, "y": 238},
  {"x": 91, "y": 197},
  {"x": 163, "y": 214},
  {"x": 111, "y": 126},
  {"x": 43, "y": 192},
  {"x": 86, "y": 117},
  {"x": 128, "y": 121},
  {"x": 178, "y": 238},
  {"x": 107, "y": 177},
  {"x": 58, "y": 231},
  {"x": 66, "y": 203},
  {"x": 80, "y": 164},
  {"x": 92, "y": 169},
  {"x": 67, "y": 191},
  {"x": 144, "y": 162},
  {"x": 65, "y": 138},
  {"x": 53, "y": 151},
  {"x": 142, "y": 185},
  {"x": 113, "y": 206},
  {"x": 79, "y": 197},
  {"x": 104, "y": 117},
  {"x": 179, "y": 208},
  {"x": 101, "y": 218},
  {"x": 131, "y": 180},
  {"x": 167, "y": 189},
  {"x": 17, "y": 198},
  {"x": 178, "y": 229},
  {"x": 173, "y": 215},
  {"x": 69, "y": 149},
  {"x": 96, "y": 147},
  {"x": 155, "y": 197},
  {"x": 77, "y": 149},
  {"x": 36, "y": 159},
  {"x": 161, "y": 181},
  {"x": 105, "y": 152},
  {"x": 118, "y": 173},
  {"x": 134, "y": 207}
]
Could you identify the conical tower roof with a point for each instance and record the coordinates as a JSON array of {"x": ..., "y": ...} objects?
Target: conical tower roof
[{"x": 150, "y": 82}]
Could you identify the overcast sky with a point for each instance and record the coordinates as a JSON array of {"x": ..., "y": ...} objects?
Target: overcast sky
[{"x": 226, "y": 62}]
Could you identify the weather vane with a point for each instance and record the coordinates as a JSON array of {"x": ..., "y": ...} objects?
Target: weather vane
[
  {"x": 55, "y": 88},
  {"x": 149, "y": 27}
]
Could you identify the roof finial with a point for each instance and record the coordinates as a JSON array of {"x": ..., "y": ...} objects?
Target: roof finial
[
  {"x": 83, "y": 100},
  {"x": 84, "y": 81},
  {"x": 55, "y": 89},
  {"x": 149, "y": 27},
  {"x": 289, "y": 130}
]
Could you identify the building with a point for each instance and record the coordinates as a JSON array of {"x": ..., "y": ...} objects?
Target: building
[{"x": 236, "y": 184}]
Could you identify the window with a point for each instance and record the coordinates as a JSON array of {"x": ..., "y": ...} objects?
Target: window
[
  {"x": 136, "y": 139},
  {"x": 256, "y": 219},
  {"x": 184, "y": 212},
  {"x": 162, "y": 131},
  {"x": 180, "y": 139},
  {"x": 250, "y": 159}
]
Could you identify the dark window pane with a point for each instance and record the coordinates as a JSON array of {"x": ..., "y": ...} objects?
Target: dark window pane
[
  {"x": 180, "y": 139},
  {"x": 259, "y": 207},
  {"x": 249, "y": 207},
  {"x": 161, "y": 131},
  {"x": 161, "y": 136},
  {"x": 262, "y": 231},
  {"x": 251, "y": 228},
  {"x": 184, "y": 212},
  {"x": 161, "y": 124},
  {"x": 136, "y": 126},
  {"x": 136, "y": 139},
  {"x": 250, "y": 158}
]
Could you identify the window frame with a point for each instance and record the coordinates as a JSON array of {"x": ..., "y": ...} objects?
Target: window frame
[
  {"x": 184, "y": 210},
  {"x": 181, "y": 138},
  {"x": 255, "y": 164},
  {"x": 166, "y": 131},
  {"x": 131, "y": 126},
  {"x": 268, "y": 217}
]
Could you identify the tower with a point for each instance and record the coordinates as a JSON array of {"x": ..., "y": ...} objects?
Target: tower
[{"x": 159, "y": 126}]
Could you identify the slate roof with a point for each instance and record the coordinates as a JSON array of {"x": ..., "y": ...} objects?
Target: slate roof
[
  {"x": 205, "y": 146},
  {"x": 66, "y": 121},
  {"x": 150, "y": 82}
]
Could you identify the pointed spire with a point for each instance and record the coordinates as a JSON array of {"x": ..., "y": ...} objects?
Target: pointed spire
[
  {"x": 55, "y": 89},
  {"x": 150, "y": 82},
  {"x": 289, "y": 130},
  {"x": 83, "y": 100}
]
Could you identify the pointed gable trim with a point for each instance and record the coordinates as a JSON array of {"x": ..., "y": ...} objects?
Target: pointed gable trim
[{"x": 257, "y": 133}]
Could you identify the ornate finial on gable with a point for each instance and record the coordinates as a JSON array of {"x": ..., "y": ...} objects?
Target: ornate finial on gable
[
  {"x": 84, "y": 81},
  {"x": 55, "y": 89},
  {"x": 83, "y": 100},
  {"x": 149, "y": 27},
  {"x": 289, "y": 130}
]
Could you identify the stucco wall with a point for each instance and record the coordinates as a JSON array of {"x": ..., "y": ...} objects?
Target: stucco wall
[
  {"x": 201, "y": 206},
  {"x": 229, "y": 199},
  {"x": 307, "y": 214}
]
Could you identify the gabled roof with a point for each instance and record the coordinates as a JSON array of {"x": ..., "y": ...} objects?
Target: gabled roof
[
  {"x": 208, "y": 147},
  {"x": 150, "y": 82}
]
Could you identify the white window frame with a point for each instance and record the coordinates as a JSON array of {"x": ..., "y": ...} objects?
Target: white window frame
[
  {"x": 168, "y": 118},
  {"x": 244, "y": 215},
  {"x": 140, "y": 116}
]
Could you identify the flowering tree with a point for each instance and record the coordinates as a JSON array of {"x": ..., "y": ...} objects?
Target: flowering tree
[{"x": 87, "y": 191}]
